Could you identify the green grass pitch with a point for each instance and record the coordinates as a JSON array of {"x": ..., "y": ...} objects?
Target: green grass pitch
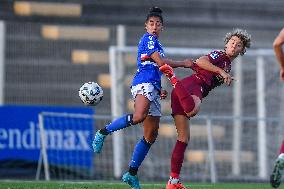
[{"x": 11, "y": 184}]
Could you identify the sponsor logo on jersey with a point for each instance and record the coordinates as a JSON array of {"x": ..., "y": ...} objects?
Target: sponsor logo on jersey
[{"x": 144, "y": 57}]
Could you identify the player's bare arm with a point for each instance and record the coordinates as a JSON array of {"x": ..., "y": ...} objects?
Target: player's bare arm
[
  {"x": 277, "y": 45},
  {"x": 188, "y": 63},
  {"x": 204, "y": 63}
]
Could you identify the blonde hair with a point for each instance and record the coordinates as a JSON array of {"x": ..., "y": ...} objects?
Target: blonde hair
[{"x": 243, "y": 35}]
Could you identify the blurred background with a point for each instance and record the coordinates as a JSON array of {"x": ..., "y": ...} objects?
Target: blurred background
[{"x": 49, "y": 48}]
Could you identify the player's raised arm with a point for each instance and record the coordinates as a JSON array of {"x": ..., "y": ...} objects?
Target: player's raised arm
[{"x": 204, "y": 63}]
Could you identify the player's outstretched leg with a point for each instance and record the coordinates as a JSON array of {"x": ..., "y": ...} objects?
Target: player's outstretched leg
[
  {"x": 169, "y": 73},
  {"x": 120, "y": 123},
  {"x": 98, "y": 141},
  {"x": 174, "y": 184},
  {"x": 275, "y": 178},
  {"x": 131, "y": 180}
]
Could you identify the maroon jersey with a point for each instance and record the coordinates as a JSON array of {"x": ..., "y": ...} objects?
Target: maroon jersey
[{"x": 211, "y": 79}]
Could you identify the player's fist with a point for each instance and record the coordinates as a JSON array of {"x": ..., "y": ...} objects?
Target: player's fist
[{"x": 227, "y": 77}]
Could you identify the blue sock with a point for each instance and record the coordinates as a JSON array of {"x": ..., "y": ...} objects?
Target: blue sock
[
  {"x": 140, "y": 151},
  {"x": 119, "y": 123}
]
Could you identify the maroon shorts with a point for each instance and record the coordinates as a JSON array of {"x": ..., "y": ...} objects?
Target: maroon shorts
[{"x": 194, "y": 86}]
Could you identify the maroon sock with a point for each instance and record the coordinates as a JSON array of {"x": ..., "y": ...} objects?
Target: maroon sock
[
  {"x": 177, "y": 158},
  {"x": 281, "y": 150},
  {"x": 184, "y": 97}
]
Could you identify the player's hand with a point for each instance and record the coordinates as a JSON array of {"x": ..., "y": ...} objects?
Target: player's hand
[
  {"x": 163, "y": 94},
  {"x": 227, "y": 78}
]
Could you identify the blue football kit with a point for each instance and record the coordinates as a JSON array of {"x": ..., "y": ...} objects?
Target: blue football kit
[{"x": 147, "y": 69}]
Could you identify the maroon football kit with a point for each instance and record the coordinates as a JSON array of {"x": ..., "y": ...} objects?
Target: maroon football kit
[{"x": 202, "y": 81}]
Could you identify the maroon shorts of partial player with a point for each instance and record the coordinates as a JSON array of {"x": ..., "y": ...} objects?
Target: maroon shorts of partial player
[{"x": 194, "y": 86}]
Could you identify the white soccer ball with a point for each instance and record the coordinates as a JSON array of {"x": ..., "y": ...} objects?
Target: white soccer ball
[{"x": 91, "y": 93}]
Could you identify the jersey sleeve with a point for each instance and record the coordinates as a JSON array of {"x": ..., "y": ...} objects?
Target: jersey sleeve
[{"x": 150, "y": 43}]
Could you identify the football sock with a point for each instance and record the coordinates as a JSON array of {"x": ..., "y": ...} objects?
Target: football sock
[
  {"x": 119, "y": 123},
  {"x": 282, "y": 148},
  {"x": 173, "y": 180},
  {"x": 177, "y": 158},
  {"x": 140, "y": 151},
  {"x": 184, "y": 97}
]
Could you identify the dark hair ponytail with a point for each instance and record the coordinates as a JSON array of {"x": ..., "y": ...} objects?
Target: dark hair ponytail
[{"x": 155, "y": 11}]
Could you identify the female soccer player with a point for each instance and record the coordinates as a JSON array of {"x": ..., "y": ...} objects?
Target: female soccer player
[
  {"x": 275, "y": 178},
  {"x": 211, "y": 71},
  {"x": 146, "y": 91}
]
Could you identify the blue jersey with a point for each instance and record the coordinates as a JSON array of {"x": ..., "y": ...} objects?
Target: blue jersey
[{"x": 148, "y": 70}]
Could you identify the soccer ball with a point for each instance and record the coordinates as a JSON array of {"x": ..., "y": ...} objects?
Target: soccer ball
[{"x": 91, "y": 93}]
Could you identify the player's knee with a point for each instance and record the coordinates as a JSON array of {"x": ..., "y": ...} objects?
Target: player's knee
[
  {"x": 190, "y": 103},
  {"x": 193, "y": 112},
  {"x": 151, "y": 138},
  {"x": 147, "y": 141},
  {"x": 138, "y": 118}
]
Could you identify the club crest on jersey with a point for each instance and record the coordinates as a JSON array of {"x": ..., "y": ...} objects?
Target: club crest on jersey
[{"x": 214, "y": 55}]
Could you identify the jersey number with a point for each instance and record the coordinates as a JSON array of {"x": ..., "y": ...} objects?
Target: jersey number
[{"x": 150, "y": 44}]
